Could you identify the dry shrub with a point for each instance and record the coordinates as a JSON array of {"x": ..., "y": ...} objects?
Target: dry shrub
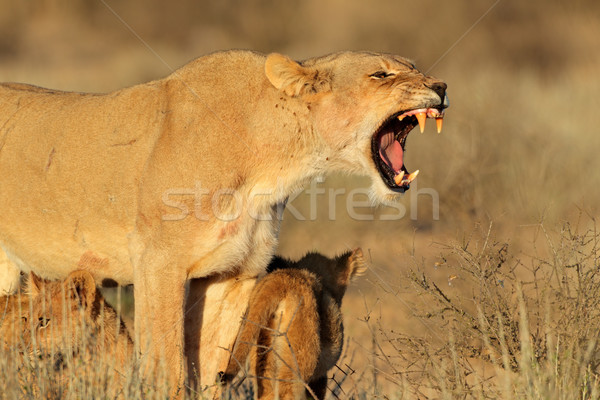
[{"x": 505, "y": 324}]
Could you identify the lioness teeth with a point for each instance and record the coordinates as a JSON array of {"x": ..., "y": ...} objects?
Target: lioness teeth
[
  {"x": 421, "y": 117},
  {"x": 398, "y": 178},
  {"x": 438, "y": 123},
  {"x": 412, "y": 176},
  {"x": 401, "y": 181}
]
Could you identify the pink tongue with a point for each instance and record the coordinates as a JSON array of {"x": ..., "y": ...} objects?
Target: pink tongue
[{"x": 393, "y": 155}]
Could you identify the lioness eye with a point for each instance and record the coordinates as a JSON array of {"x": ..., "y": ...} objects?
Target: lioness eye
[{"x": 380, "y": 75}]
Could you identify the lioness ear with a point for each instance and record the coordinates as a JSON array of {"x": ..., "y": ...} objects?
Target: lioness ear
[{"x": 292, "y": 78}]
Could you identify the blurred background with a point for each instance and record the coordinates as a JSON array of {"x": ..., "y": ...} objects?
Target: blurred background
[{"x": 520, "y": 142}]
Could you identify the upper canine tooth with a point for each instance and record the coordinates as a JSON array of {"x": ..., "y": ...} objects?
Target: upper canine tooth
[
  {"x": 401, "y": 117},
  {"x": 412, "y": 176},
  {"x": 438, "y": 122},
  {"x": 421, "y": 117},
  {"x": 398, "y": 178}
]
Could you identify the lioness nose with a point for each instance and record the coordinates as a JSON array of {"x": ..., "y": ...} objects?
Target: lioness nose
[{"x": 440, "y": 89}]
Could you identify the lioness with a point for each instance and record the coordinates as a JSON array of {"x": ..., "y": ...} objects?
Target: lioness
[
  {"x": 293, "y": 327},
  {"x": 183, "y": 177}
]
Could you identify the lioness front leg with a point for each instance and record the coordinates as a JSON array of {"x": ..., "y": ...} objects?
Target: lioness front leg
[{"x": 159, "y": 291}]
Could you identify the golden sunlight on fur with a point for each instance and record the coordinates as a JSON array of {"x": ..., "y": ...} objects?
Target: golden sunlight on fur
[
  {"x": 119, "y": 184},
  {"x": 14, "y": 312},
  {"x": 293, "y": 330},
  {"x": 67, "y": 316}
]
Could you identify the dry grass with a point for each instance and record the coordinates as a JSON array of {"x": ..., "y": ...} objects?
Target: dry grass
[
  {"x": 502, "y": 324},
  {"x": 499, "y": 324},
  {"x": 519, "y": 146},
  {"x": 77, "y": 365}
]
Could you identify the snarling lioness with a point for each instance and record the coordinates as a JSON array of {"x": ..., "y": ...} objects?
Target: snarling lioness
[{"x": 181, "y": 177}]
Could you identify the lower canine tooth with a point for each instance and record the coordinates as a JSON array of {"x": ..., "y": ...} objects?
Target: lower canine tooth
[
  {"x": 398, "y": 178},
  {"x": 438, "y": 123},
  {"x": 412, "y": 176},
  {"x": 421, "y": 117}
]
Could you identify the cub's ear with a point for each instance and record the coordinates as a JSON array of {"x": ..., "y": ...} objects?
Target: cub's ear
[
  {"x": 351, "y": 265},
  {"x": 357, "y": 265},
  {"x": 35, "y": 284},
  {"x": 294, "y": 79},
  {"x": 81, "y": 288}
]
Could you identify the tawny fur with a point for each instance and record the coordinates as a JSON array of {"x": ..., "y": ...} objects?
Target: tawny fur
[
  {"x": 72, "y": 316},
  {"x": 133, "y": 185},
  {"x": 213, "y": 314},
  {"x": 293, "y": 328},
  {"x": 14, "y": 311}
]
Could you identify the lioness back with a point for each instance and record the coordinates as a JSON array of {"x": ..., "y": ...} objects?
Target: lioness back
[{"x": 72, "y": 162}]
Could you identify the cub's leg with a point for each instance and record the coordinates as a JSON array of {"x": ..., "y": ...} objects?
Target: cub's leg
[
  {"x": 194, "y": 320},
  {"x": 214, "y": 310},
  {"x": 319, "y": 388}
]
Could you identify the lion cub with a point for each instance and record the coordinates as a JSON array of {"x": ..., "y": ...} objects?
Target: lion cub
[
  {"x": 14, "y": 310},
  {"x": 65, "y": 316},
  {"x": 293, "y": 329}
]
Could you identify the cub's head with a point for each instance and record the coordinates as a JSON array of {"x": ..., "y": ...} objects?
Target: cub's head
[
  {"x": 363, "y": 105},
  {"x": 64, "y": 313},
  {"x": 335, "y": 273}
]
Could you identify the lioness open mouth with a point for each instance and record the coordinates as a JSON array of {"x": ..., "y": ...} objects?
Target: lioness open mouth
[{"x": 389, "y": 141}]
